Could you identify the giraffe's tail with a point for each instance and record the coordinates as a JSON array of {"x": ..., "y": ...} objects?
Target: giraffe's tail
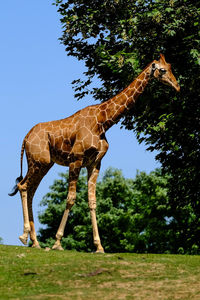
[{"x": 15, "y": 188}]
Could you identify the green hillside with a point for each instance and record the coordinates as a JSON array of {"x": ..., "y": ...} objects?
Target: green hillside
[{"x": 27, "y": 273}]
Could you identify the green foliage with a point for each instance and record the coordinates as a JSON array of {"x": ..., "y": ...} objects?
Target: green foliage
[
  {"x": 135, "y": 219},
  {"x": 133, "y": 216},
  {"x": 116, "y": 39}
]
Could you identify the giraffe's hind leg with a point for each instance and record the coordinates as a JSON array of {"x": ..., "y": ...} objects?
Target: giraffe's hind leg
[
  {"x": 24, "y": 237},
  {"x": 27, "y": 190}
]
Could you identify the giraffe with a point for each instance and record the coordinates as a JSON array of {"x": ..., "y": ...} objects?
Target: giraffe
[{"x": 78, "y": 141}]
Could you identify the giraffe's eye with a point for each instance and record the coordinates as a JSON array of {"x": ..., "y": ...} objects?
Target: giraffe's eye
[{"x": 162, "y": 71}]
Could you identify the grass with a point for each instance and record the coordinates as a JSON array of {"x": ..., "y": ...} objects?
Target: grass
[{"x": 27, "y": 273}]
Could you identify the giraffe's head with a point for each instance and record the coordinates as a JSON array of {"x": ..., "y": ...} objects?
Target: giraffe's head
[{"x": 162, "y": 71}]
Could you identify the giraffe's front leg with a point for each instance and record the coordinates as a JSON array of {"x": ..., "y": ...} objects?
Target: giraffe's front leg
[
  {"x": 92, "y": 179},
  {"x": 74, "y": 170},
  {"x": 24, "y": 237},
  {"x": 60, "y": 232}
]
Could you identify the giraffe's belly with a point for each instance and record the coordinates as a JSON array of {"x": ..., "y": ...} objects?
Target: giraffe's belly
[
  {"x": 65, "y": 151},
  {"x": 60, "y": 158},
  {"x": 60, "y": 152},
  {"x": 64, "y": 158},
  {"x": 60, "y": 148}
]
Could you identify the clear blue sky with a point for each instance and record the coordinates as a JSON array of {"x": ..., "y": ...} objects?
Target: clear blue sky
[{"x": 35, "y": 80}]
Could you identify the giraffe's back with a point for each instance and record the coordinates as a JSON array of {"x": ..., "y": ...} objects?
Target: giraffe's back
[{"x": 57, "y": 141}]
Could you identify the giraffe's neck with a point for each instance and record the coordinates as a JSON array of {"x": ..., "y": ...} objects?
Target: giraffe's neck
[{"x": 116, "y": 107}]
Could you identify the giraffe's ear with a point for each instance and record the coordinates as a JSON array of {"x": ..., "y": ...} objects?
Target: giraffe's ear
[
  {"x": 162, "y": 58},
  {"x": 154, "y": 66}
]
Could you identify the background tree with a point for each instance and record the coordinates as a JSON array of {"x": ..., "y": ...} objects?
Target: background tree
[
  {"x": 116, "y": 39},
  {"x": 133, "y": 215}
]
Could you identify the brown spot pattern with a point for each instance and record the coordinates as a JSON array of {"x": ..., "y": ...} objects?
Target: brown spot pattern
[{"x": 77, "y": 141}]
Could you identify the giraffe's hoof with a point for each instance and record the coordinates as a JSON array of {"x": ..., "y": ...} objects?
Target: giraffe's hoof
[
  {"x": 23, "y": 239},
  {"x": 57, "y": 247},
  {"x": 100, "y": 251},
  {"x": 37, "y": 246}
]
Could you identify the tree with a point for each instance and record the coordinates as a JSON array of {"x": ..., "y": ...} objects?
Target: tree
[
  {"x": 133, "y": 215},
  {"x": 116, "y": 39}
]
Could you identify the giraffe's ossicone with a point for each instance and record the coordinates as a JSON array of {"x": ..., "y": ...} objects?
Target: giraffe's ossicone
[{"x": 78, "y": 141}]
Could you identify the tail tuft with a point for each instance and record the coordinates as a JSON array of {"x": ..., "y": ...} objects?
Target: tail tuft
[{"x": 15, "y": 188}]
